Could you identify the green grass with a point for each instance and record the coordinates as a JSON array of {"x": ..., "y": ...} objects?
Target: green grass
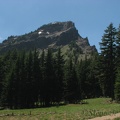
[
  {"x": 117, "y": 119},
  {"x": 94, "y": 108}
]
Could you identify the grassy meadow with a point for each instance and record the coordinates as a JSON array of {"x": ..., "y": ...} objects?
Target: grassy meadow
[{"x": 92, "y": 108}]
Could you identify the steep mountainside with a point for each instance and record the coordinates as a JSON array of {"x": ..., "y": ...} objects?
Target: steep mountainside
[{"x": 53, "y": 35}]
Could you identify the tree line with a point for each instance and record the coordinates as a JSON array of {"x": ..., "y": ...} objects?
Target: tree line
[{"x": 30, "y": 79}]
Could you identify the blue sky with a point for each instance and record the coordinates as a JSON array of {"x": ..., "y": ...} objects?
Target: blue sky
[{"x": 91, "y": 17}]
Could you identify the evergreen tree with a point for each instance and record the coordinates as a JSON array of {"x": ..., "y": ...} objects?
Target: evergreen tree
[
  {"x": 118, "y": 46},
  {"x": 49, "y": 83},
  {"x": 93, "y": 81},
  {"x": 42, "y": 81},
  {"x": 22, "y": 84},
  {"x": 82, "y": 74},
  {"x": 36, "y": 76},
  {"x": 71, "y": 83},
  {"x": 117, "y": 82},
  {"x": 13, "y": 86},
  {"x": 108, "y": 50},
  {"x": 59, "y": 65},
  {"x": 7, "y": 74},
  {"x": 29, "y": 99},
  {"x": 117, "y": 86},
  {"x": 6, "y": 63},
  {"x": 1, "y": 76}
]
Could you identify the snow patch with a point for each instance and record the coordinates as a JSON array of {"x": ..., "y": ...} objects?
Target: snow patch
[
  {"x": 48, "y": 33},
  {"x": 39, "y": 32}
]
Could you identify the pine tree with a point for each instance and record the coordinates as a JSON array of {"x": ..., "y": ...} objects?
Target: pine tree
[
  {"x": 29, "y": 99},
  {"x": 59, "y": 65},
  {"x": 13, "y": 87},
  {"x": 117, "y": 81},
  {"x": 117, "y": 86},
  {"x": 9, "y": 79},
  {"x": 36, "y": 76},
  {"x": 1, "y": 76},
  {"x": 42, "y": 81},
  {"x": 49, "y": 83},
  {"x": 22, "y": 84},
  {"x": 118, "y": 46},
  {"x": 82, "y": 75},
  {"x": 108, "y": 49},
  {"x": 92, "y": 79},
  {"x": 71, "y": 83}
]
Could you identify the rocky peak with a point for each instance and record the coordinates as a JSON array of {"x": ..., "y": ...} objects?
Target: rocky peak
[
  {"x": 56, "y": 27},
  {"x": 54, "y": 35}
]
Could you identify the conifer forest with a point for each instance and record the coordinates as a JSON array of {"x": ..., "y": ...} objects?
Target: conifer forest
[{"x": 30, "y": 79}]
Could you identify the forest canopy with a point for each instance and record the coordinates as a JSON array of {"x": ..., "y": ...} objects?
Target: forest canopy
[{"x": 30, "y": 79}]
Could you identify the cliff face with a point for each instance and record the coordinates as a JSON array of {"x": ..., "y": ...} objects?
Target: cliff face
[{"x": 53, "y": 35}]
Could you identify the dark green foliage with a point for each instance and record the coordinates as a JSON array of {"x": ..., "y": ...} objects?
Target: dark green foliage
[
  {"x": 59, "y": 74},
  {"x": 71, "y": 83},
  {"x": 93, "y": 81},
  {"x": 29, "y": 99},
  {"x": 117, "y": 82},
  {"x": 49, "y": 81},
  {"x": 30, "y": 79},
  {"x": 36, "y": 76},
  {"x": 108, "y": 50},
  {"x": 117, "y": 86},
  {"x": 109, "y": 61},
  {"x": 43, "y": 76},
  {"x": 14, "y": 86},
  {"x": 1, "y": 74},
  {"x": 118, "y": 46},
  {"x": 87, "y": 74}
]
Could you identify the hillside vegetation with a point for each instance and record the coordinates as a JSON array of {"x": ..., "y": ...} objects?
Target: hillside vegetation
[{"x": 66, "y": 70}]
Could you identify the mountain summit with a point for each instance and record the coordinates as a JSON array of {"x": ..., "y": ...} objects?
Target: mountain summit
[{"x": 52, "y": 35}]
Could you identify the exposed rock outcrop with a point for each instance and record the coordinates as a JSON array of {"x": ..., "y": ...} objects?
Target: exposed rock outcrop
[{"x": 53, "y": 35}]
